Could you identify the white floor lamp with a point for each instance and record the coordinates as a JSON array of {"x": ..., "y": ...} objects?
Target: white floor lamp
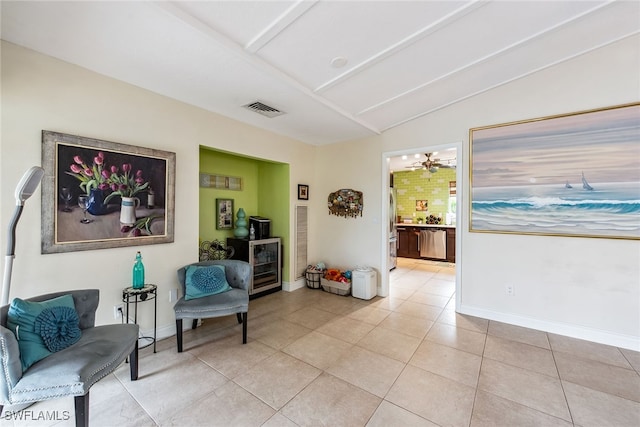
[{"x": 26, "y": 187}]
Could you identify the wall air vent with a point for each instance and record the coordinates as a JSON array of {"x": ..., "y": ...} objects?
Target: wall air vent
[
  {"x": 301, "y": 240},
  {"x": 265, "y": 110}
]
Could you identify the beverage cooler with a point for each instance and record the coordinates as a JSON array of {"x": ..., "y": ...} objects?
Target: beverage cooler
[{"x": 264, "y": 256}]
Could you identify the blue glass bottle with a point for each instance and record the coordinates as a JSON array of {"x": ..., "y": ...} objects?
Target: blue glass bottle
[{"x": 138, "y": 272}]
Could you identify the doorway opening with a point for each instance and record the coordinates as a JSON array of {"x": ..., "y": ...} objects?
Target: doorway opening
[{"x": 448, "y": 157}]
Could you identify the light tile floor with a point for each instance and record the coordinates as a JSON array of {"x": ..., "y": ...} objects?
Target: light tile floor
[{"x": 317, "y": 359}]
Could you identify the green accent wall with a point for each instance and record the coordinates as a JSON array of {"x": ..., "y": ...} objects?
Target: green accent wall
[
  {"x": 422, "y": 185},
  {"x": 265, "y": 192},
  {"x": 273, "y": 197}
]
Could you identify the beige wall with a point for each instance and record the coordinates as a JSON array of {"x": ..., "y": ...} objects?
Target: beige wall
[
  {"x": 41, "y": 93},
  {"x": 581, "y": 287}
]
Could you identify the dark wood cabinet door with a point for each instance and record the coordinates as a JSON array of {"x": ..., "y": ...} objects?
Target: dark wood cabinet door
[
  {"x": 403, "y": 242},
  {"x": 451, "y": 244},
  {"x": 414, "y": 242},
  {"x": 408, "y": 242}
]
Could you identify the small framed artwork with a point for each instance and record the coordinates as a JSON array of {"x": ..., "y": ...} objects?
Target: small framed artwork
[
  {"x": 303, "y": 192},
  {"x": 421, "y": 205},
  {"x": 224, "y": 214}
]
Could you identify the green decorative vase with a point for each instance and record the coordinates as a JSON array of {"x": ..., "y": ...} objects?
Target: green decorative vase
[{"x": 241, "y": 225}]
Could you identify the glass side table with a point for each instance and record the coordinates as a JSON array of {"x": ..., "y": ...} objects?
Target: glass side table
[{"x": 134, "y": 296}]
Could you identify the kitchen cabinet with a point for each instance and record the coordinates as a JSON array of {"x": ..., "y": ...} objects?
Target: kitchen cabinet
[
  {"x": 451, "y": 245},
  {"x": 403, "y": 242},
  {"x": 265, "y": 258},
  {"x": 408, "y": 242}
]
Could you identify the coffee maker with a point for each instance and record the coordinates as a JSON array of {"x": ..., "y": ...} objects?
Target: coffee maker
[{"x": 261, "y": 227}]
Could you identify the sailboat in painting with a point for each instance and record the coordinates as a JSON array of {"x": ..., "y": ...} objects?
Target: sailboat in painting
[
  {"x": 567, "y": 185},
  {"x": 585, "y": 184}
]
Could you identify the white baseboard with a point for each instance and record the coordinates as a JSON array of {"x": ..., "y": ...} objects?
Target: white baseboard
[
  {"x": 166, "y": 331},
  {"x": 290, "y": 287},
  {"x": 573, "y": 331},
  {"x": 569, "y": 330}
]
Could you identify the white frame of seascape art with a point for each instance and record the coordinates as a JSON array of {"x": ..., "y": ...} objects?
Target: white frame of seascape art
[{"x": 548, "y": 156}]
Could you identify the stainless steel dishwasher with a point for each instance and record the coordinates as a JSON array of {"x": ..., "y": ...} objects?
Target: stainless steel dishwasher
[{"x": 433, "y": 243}]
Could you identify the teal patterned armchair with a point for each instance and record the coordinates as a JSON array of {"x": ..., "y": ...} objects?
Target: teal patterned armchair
[
  {"x": 73, "y": 370},
  {"x": 234, "y": 301}
]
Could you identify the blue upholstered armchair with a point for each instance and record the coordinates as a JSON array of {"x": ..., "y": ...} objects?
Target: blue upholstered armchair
[
  {"x": 233, "y": 301},
  {"x": 73, "y": 370}
]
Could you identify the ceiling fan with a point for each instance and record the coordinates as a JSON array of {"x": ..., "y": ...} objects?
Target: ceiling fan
[{"x": 432, "y": 165}]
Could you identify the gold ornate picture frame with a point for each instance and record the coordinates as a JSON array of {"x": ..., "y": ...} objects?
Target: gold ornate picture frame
[{"x": 574, "y": 174}]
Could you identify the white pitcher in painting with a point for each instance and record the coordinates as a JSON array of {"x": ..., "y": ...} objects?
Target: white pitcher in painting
[{"x": 128, "y": 210}]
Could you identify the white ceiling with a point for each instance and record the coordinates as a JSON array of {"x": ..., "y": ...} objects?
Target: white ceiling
[{"x": 404, "y": 59}]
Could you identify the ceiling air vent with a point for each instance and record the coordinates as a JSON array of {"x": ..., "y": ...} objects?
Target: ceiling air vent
[{"x": 265, "y": 110}]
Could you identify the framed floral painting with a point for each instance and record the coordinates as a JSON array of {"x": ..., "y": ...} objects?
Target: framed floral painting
[{"x": 98, "y": 194}]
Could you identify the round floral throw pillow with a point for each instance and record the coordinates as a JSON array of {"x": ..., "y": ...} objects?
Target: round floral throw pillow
[
  {"x": 58, "y": 327},
  {"x": 203, "y": 281}
]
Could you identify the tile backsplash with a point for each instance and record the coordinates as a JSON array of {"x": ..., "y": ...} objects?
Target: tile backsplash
[{"x": 412, "y": 186}]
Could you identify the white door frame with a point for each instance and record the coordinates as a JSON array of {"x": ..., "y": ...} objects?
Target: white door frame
[{"x": 383, "y": 290}]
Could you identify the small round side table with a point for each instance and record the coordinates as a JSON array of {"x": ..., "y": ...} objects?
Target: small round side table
[{"x": 134, "y": 296}]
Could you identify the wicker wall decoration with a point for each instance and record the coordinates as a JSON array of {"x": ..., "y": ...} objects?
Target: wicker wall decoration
[{"x": 346, "y": 203}]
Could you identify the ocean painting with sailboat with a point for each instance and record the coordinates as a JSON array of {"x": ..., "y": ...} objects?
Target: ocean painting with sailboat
[{"x": 569, "y": 175}]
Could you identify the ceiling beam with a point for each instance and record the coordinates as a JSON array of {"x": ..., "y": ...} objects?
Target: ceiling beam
[
  {"x": 528, "y": 73},
  {"x": 238, "y": 50},
  {"x": 402, "y": 44},
  {"x": 490, "y": 56},
  {"x": 280, "y": 24}
]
